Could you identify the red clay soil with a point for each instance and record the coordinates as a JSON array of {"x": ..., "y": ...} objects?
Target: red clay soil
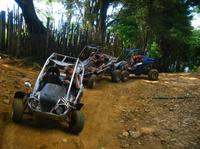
[{"x": 138, "y": 114}]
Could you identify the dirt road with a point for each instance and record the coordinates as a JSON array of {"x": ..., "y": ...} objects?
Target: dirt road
[{"x": 138, "y": 114}]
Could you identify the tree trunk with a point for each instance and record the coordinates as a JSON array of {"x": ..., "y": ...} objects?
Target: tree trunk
[
  {"x": 104, "y": 4},
  {"x": 10, "y": 32},
  {"x": 2, "y": 29},
  {"x": 34, "y": 25},
  {"x": 165, "y": 59},
  {"x": 178, "y": 64},
  {"x": 41, "y": 38}
]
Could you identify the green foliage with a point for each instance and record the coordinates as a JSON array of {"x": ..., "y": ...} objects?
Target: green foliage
[
  {"x": 162, "y": 26},
  {"x": 194, "y": 47},
  {"x": 154, "y": 51},
  {"x": 128, "y": 30},
  {"x": 195, "y": 42}
]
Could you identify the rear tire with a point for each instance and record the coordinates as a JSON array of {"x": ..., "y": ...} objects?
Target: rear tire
[
  {"x": 92, "y": 81},
  {"x": 125, "y": 76},
  {"x": 18, "y": 109},
  {"x": 77, "y": 122},
  {"x": 116, "y": 76},
  {"x": 153, "y": 74}
]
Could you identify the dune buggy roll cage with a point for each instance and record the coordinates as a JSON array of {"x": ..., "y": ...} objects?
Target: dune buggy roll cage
[
  {"x": 90, "y": 47},
  {"x": 62, "y": 61}
]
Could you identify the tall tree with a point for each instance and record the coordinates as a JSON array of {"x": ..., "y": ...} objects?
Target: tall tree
[
  {"x": 34, "y": 25},
  {"x": 104, "y": 4},
  {"x": 166, "y": 22}
]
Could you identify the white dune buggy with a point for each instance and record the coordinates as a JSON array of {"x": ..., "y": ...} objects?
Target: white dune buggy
[
  {"x": 98, "y": 64},
  {"x": 50, "y": 98}
]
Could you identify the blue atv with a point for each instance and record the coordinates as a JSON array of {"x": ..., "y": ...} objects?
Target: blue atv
[{"x": 135, "y": 61}]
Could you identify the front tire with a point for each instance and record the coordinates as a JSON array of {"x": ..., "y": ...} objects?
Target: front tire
[
  {"x": 153, "y": 74},
  {"x": 18, "y": 109},
  {"x": 77, "y": 122},
  {"x": 116, "y": 76},
  {"x": 92, "y": 81},
  {"x": 125, "y": 76}
]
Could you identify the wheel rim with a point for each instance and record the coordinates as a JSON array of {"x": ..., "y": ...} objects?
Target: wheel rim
[
  {"x": 154, "y": 76},
  {"x": 94, "y": 83},
  {"x": 117, "y": 78},
  {"x": 125, "y": 77}
]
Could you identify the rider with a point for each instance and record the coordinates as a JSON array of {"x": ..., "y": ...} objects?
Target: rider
[
  {"x": 100, "y": 63},
  {"x": 75, "y": 84}
]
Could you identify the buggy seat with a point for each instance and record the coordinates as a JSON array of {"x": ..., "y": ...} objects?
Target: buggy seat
[{"x": 51, "y": 76}]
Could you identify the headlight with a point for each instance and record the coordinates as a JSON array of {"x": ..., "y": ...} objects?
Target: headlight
[
  {"x": 34, "y": 103},
  {"x": 59, "y": 110}
]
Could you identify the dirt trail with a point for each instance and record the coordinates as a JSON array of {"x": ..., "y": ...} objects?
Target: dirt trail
[{"x": 136, "y": 114}]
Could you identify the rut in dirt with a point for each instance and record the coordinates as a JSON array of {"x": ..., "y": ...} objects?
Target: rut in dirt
[{"x": 138, "y": 113}]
